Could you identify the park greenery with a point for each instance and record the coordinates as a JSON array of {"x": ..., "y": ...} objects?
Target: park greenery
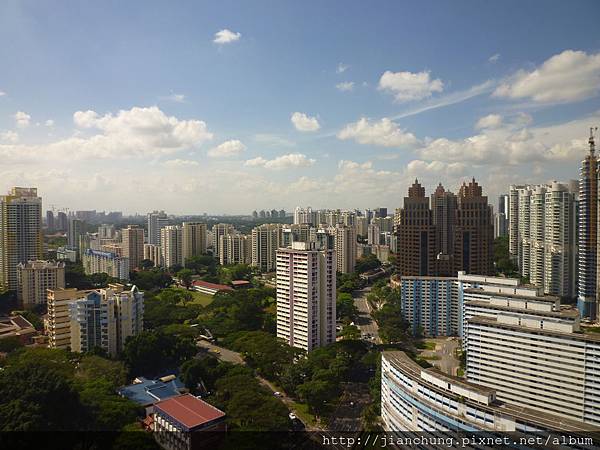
[
  {"x": 45, "y": 390},
  {"x": 504, "y": 265}
]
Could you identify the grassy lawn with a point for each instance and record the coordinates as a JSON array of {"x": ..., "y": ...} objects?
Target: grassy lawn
[{"x": 198, "y": 297}]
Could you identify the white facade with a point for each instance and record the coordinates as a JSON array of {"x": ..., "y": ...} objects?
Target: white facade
[
  {"x": 96, "y": 261},
  {"x": 193, "y": 239},
  {"x": 156, "y": 221},
  {"x": 345, "y": 248},
  {"x": 417, "y": 399},
  {"x": 106, "y": 318},
  {"x": 20, "y": 232},
  {"x": 306, "y": 294},
  {"x": 266, "y": 239},
  {"x": 35, "y": 278},
  {"x": 171, "y": 245}
]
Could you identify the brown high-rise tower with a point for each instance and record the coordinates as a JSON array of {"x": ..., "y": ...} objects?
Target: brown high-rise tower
[
  {"x": 417, "y": 246},
  {"x": 474, "y": 232}
]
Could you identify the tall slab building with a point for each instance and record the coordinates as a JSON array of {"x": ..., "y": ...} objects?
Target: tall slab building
[{"x": 20, "y": 232}]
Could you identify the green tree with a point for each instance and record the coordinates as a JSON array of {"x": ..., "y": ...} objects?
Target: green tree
[
  {"x": 185, "y": 277},
  {"x": 367, "y": 263},
  {"x": 151, "y": 352},
  {"x": 316, "y": 394},
  {"x": 10, "y": 344},
  {"x": 146, "y": 264},
  {"x": 345, "y": 308},
  {"x": 350, "y": 332}
]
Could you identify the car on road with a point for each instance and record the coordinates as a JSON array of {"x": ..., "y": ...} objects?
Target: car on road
[
  {"x": 277, "y": 394},
  {"x": 293, "y": 416},
  {"x": 215, "y": 350}
]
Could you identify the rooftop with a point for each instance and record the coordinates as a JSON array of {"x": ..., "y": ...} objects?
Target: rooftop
[
  {"x": 563, "y": 313},
  {"x": 207, "y": 285},
  {"x": 189, "y": 411},
  {"x": 579, "y": 336},
  {"x": 147, "y": 392},
  {"x": 531, "y": 298}
]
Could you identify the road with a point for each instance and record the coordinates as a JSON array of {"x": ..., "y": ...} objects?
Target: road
[
  {"x": 365, "y": 322},
  {"x": 235, "y": 358},
  {"x": 224, "y": 354}
]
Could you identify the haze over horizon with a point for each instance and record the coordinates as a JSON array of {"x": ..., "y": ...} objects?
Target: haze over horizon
[{"x": 227, "y": 107}]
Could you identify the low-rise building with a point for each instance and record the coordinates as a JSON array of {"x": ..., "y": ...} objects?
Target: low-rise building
[
  {"x": 181, "y": 423},
  {"x": 209, "y": 288},
  {"x": 147, "y": 392},
  {"x": 17, "y": 327}
]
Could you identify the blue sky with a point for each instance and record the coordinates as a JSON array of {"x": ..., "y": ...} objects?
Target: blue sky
[{"x": 135, "y": 106}]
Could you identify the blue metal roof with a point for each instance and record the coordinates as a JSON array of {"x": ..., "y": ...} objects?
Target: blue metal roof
[{"x": 151, "y": 391}]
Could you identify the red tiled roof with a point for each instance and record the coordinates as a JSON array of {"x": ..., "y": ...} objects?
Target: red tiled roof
[
  {"x": 189, "y": 410},
  {"x": 206, "y": 284}
]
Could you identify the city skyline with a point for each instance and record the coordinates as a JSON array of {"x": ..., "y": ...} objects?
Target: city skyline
[{"x": 226, "y": 110}]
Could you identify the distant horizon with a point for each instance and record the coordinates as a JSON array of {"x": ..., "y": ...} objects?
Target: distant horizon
[{"x": 220, "y": 107}]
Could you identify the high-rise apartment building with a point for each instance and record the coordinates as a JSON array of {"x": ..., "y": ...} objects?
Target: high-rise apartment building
[
  {"x": 153, "y": 253},
  {"x": 545, "y": 229},
  {"x": 474, "y": 232},
  {"x": 156, "y": 221},
  {"x": 35, "y": 278},
  {"x": 235, "y": 249},
  {"x": 50, "y": 221},
  {"x": 535, "y": 355},
  {"x": 76, "y": 230},
  {"x": 218, "y": 231},
  {"x": 266, "y": 239},
  {"x": 62, "y": 222},
  {"x": 58, "y": 324},
  {"x": 345, "y": 248},
  {"x": 106, "y": 318},
  {"x": 171, "y": 245},
  {"x": 305, "y": 215},
  {"x": 98, "y": 261},
  {"x": 106, "y": 231},
  {"x": 20, "y": 232},
  {"x": 373, "y": 234},
  {"x": 193, "y": 236},
  {"x": 587, "y": 301},
  {"x": 417, "y": 243},
  {"x": 133, "y": 245},
  {"x": 501, "y": 218},
  {"x": 306, "y": 295}
]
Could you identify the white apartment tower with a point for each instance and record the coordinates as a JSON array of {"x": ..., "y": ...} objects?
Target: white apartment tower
[
  {"x": 306, "y": 294},
  {"x": 218, "y": 231},
  {"x": 35, "y": 278},
  {"x": 106, "y": 318},
  {"x": 156, "y": 221},
  {"x": 193, "y": 239},
  {"x": 20, "y": 232},
  {"x": 345, "y": 248},
  {"x": 543, "y": 231},
  {"x": 266, "y": 239},
  {"x": 171, "y": 245},
  {"x": 235, "y": 249}
]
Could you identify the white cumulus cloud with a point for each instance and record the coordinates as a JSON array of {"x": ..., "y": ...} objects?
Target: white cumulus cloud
[
  {"x": 22, "y": 119},
  {"x": 9, "y": 136},
  {"x": 488, "y": 122},
  {"x": 291, "y": 160},
  {"x": 49, "y": 123},
  {"x": 303, "y": 122},
  {"x": 383, "y": 133},
  {"x": 226, "y": 36},
  {"x": 407, "y": 86},
  {"x": 345, "y": 86},
  {"x": 227, "y": 149},
  {"x": 566, "y": 77}
]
